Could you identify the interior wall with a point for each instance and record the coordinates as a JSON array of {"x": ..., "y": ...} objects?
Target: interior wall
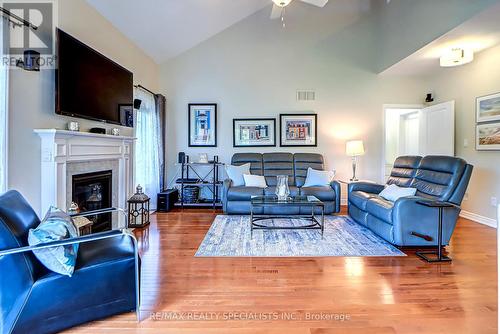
[
  {"x": 31, "y": 94},
  {"x": 254, "y": 68},
  {"x": 463, "y": 84}
]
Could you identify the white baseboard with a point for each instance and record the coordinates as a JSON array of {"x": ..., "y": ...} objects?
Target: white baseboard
[{"x": 478, "y": 218}]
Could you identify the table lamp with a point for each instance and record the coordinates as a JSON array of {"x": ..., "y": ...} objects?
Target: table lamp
[{"x": 354, "y": 148}]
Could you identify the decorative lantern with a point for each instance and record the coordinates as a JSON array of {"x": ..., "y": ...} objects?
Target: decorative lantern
[{"x": 138, "y": 209}]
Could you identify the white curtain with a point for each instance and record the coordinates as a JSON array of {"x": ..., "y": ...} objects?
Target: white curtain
[
  {"x": 4, "y": 93},
  {"x": 147, "y": 152}
]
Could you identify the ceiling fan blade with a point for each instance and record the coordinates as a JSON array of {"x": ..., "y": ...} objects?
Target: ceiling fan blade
[
  {"x": 276, "y": 12},
  {"x": 317, "y": 3}
]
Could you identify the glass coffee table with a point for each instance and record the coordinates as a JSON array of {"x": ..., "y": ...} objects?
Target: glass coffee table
[{"x": 256, "y": 220}]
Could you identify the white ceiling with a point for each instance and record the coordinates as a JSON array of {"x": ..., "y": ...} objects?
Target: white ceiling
[
  {"x": 479, "y": 33},
  {"x": 166, "y": 28}
]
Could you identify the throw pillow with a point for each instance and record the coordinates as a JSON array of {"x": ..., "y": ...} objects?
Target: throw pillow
[
  {"x": 393, "y": 192},
  {"x": 235, "y": 173},
  {"x": 255, "y": 181},
  {"x": 57, "y": 225},
  {"x": 318, "y": 178}
]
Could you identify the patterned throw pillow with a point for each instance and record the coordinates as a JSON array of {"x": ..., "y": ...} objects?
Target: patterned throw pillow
[{"x": 57, "y": 225}]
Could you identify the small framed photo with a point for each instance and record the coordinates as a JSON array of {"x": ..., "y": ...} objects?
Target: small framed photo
[
  {"x": 488, "y": 108},
  {"x": 298, "y": 130},
  {"x": 488, "y": 137},
  {"x": 202, "y": 121},
  {"x": 259, "y": 132}
]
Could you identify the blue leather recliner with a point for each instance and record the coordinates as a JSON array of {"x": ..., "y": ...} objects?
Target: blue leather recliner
[
  {"x": 35, "y": 300},
  {"x": 435, "y": 177}
]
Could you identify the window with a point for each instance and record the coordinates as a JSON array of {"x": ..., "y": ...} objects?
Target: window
[{"x": 147, "y": 149}]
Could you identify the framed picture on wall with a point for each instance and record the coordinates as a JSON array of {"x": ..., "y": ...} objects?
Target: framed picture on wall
[
  {"x": 202, "y": 122},
  {"x": 254, "y": 132},
  {"x": 298, "y": 130},
  {"x": 488, "y": 108},
  {"x": 488, "y": 136}
]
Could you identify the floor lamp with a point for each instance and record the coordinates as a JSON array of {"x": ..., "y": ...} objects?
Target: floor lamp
[{"x": 354, "y": 149}]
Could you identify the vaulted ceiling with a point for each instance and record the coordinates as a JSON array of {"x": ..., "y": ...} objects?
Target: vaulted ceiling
[{"x": 166, "y": 28}]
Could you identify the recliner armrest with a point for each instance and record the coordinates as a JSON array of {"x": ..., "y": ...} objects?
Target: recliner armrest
[
  {"x": 226, "y": 184},
  {"x": 408, "y": 217},
  {"x": 337, "y": 189},
  {"x": 369, "y": 187}
]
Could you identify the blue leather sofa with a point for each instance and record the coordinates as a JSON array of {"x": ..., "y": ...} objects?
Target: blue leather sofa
[
  {"x": 35, "y": 300},
  {"x": 435, "y": 177},
  {"x": 236, "y": 200}
]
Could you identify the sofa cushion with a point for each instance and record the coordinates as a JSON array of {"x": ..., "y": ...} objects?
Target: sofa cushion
[
  {"x": 325, "y": 193},
  {"x": 403, "y": 171},
  {"x": 380, "y": 208},
  {"x": 438, "y": 176},
  {"x": 393, "y": 192},
  {"x": 257, "y": 181},
  {"x": 243, "y": 193},
  {"x": 303, "y": 161},
  {"x": 269, "y": 191},
  {"x": 360, "y": 198},
  {"x": 317, "y": 178},
  {"x": 254, "y": 159},
  {"x": 278, "y": 164}
]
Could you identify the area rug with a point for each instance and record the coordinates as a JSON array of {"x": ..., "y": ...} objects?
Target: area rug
[{"x": 230, "y": 236}]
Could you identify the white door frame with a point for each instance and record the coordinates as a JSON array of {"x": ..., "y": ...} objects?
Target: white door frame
[{"x": 384, "y": 111}]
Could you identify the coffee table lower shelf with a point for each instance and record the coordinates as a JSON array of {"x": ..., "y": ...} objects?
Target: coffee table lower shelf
[{"x": 315, "y": 223}]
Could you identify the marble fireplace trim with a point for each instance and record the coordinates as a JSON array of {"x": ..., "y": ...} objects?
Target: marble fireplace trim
[{"x": 77, "y": 168}]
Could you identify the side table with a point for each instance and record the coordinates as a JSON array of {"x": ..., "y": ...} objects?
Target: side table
[{"x": 439, "y": 253}]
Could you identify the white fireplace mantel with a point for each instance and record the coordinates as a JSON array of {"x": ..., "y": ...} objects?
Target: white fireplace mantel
[{"x": 61, "y": 147}]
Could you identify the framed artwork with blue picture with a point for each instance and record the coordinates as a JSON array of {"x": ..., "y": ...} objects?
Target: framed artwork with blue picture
[
  {"x": 202, "y": 120},
  {"x": 488, "y": 122}
]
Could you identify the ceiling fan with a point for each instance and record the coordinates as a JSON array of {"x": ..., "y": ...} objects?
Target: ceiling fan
[{"x": 279, "y": 6}]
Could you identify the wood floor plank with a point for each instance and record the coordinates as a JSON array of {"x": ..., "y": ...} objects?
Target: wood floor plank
[{"x": 184, "y": 294}]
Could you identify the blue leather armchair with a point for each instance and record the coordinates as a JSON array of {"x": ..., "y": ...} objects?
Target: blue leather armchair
[
  {"x": 435, "y": 178},
  {"x": 35, "y": 300}
]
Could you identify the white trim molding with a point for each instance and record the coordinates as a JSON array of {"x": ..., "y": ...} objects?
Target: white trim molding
[
  {"x": 478, "y": 218},
  {"x": 61, "y": 148}
]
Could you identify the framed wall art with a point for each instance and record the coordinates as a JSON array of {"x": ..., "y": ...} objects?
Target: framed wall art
[
  {"x": 202, "y": 122},
  {"x": 298, "y": 130},
  {"x": 488, "y": 108},
  {"x": 488, "y": 136},
  {"x": 258, "y": 132}
]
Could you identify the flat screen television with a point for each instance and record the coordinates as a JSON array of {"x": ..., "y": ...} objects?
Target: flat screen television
[{"x": 90, "y": 85}]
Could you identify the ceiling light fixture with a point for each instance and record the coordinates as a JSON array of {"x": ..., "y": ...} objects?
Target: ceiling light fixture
[
  {"x": 282, "y": 3},
  {"x": 456, "y": 57}
]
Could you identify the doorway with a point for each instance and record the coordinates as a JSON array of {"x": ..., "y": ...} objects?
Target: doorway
[{"x": 417, "y": 130}]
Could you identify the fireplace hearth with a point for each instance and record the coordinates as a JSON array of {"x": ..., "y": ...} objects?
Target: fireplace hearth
[{"x": 93, "y": 191}]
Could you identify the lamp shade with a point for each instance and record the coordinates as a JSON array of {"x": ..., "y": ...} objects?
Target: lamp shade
[{"x": 354, "y": 148}]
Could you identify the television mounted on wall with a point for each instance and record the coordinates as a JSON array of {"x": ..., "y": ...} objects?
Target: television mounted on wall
[{"x": 90, "y": 85}]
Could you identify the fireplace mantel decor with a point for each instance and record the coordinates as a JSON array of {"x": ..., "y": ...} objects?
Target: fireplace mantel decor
[{"x": 62, "y": 150}]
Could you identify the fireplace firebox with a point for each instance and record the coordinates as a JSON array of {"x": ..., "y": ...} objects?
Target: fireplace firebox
[{"x": 93, "y": 191}]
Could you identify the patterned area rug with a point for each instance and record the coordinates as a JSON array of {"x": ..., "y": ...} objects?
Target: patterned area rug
[{"x": 230, "y": 236}]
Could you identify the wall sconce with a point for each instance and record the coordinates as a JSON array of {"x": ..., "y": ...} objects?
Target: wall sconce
[
  {"x": 456, "y": 57},
  {"x": 30, "y": 62}
]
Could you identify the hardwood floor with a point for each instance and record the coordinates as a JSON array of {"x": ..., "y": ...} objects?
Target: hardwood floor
[{"x": 276, "y": 295}]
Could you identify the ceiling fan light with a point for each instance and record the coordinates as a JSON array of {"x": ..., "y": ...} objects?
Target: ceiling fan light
[
  {"x": 456, "y": 57},
  {"x": 282, "y": 3}
]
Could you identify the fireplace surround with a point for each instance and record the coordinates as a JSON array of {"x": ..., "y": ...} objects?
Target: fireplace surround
[{"x": 67, "y": 153}]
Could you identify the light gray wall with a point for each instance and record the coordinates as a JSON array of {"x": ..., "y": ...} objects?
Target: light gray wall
[
  {"x": 405, "y": 26},
  {"x": 31, "y": 94},
  {"x": 463, "y": 84},
  {"x": 254, "y": 68}
]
